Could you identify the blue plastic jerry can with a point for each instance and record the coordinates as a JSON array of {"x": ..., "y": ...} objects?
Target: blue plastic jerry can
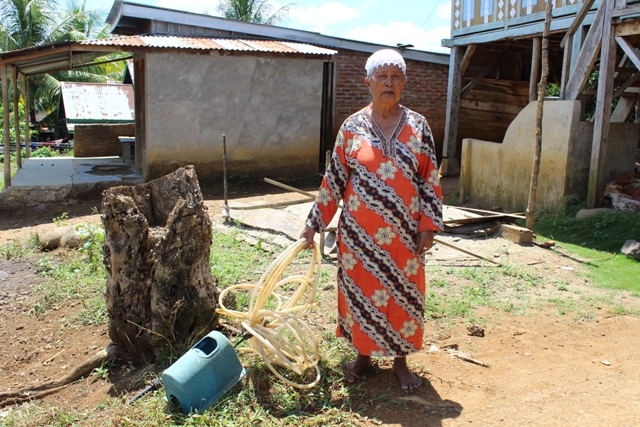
[{"x": 203, "y": 374}]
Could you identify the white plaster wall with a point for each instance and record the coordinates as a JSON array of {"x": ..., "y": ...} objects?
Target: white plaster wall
[
  {"x": 499, "y": 174},
  {"x": 268, "y": 106}
]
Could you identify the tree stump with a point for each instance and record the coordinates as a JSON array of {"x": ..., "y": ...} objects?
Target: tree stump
[{"x": 156, "y": 250}]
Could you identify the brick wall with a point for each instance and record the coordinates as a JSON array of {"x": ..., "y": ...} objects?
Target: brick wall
[
  {"x": 100, "y": 140},
  {"x": 425, "y": 92}
]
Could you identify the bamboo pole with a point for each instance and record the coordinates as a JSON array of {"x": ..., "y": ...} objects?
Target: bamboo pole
[
  {"x": 16, "y": 115},
  {"x": 224, "y": 167},
  {"x": 7, "y": 128},
  {"x": 464, "y": 251},
  {"x": 533, "y": 189},
  {"x": 27, "y": 130}
]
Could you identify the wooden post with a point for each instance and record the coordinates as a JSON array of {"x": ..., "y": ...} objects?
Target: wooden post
[
  {"x": 16, "y": 116},
  {"x": 450, "y": 165},
  {"x": 535, "y": 69},
  {"x": 533, "y": 189},
  {"x": 602, "y": 118},
  {"x": 566, "y": 65},
  {"x": 27, "y": 129},
  {"x": 7, "y": 126},
  {"x": 224, "y": 171}
]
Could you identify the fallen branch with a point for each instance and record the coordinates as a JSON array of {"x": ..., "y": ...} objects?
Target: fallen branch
[
  {"x": 471, "y": 360},
  {"x": 270, "y": 205},
  {"x": 465, "y": 251},
  {"x": 84, "y": 370}
]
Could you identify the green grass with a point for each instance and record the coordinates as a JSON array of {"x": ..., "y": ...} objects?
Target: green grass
[
  {"x": 14, "y": 170},
  {"x": 596, "y": 241}
]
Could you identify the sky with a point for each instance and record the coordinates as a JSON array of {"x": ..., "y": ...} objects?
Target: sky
[{"x": 422, "y": 23}]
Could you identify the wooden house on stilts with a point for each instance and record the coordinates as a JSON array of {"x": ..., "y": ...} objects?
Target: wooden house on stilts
[{"x": 590, "y": 126}]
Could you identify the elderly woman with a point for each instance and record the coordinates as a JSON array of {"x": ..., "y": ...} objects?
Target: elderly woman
[{"x": 384, "y": 168}]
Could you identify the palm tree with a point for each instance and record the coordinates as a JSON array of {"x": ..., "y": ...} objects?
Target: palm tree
[
  {"x": 29, "y": 23},
  {"x": 258, "y": 11}
]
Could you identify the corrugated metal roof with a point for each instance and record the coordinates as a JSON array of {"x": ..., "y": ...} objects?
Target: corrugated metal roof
[
  {"x": 88, "y": 102},
  {"x": 206, "y": 43}
]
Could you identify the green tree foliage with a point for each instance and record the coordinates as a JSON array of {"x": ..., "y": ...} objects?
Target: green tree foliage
[
  {"x": 29, "y": 23},
  {"x": 258, "y": 11}
]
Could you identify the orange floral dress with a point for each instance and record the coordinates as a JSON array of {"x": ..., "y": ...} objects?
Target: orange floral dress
[{"x": 391, "y": 190}]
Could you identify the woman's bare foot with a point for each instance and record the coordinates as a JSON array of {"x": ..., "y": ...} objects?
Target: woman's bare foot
[
  {"x": 354, "y": 368},
  {"x": 409, "y": 381}
]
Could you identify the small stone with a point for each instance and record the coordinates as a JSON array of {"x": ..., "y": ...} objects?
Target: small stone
[
  {"x": 434, "y": 349},
  {"x": 606, "y": 363},
  {"x": 631, "y": 249}
]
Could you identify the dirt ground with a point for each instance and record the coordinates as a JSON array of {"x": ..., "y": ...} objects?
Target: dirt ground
[{"x": 542, "y": 369}]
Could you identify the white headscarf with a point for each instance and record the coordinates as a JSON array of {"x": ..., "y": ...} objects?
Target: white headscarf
[{"x": 385, "y": 57}]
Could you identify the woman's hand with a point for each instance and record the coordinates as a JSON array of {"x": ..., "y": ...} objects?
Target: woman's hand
[
  {"x": 424, "y": 243},
  {"x": 308, "y": 234}
]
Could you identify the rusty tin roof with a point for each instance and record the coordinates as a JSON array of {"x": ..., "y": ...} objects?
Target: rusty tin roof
[{"x": 206, "y": 43}]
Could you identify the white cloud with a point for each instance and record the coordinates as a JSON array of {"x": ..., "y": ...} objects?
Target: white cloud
[
  {"x": 444, "y": 11},
  {"x": 197, "y": 6},
  {"x": 326, "y": 14},
  {"x": 403, "y": 32}
]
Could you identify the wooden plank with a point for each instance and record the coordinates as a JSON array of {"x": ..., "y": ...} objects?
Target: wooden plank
[
  {"x": 535, "y": 69},
  {"x": 479, "y": 125},
  {"x": 628, "y": 28},
  {"x": 624, "y": 107},
  {"x": 626, "y": 85},
  {"x": 519, "y": 235},
  {"x": 486, "y": 116},
  {"x": 504, "y": 86},
  {"x": 577, "y": 21},
  {"x": 500, "y": 98},
  {"x": 7, "y": 142},
  {"x": 490, "y": 106},
  {"x": 481, "y": 75},
  {"x": 628, "y": 50},
  {"x": 27, "y": 128},
  {"x": 16, "y": 116},
  {"x": 586, "y": 58},
  {"x": 495, "y": 136},
  {"x": 464, "y": 208},
  {"x": 453, "y": 108},
  {"x": 467, "y": 58},
  {"x": 602, "y": 114},
  {"x": 629, "y": 10}
]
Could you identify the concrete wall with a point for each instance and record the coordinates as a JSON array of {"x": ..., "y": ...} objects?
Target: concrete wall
[
  {"x": 500, "y": 174},
  {"x": 268, "y": 106},
  {"x": 100, "y": 140},
  {"x": 425, "y": 92}
]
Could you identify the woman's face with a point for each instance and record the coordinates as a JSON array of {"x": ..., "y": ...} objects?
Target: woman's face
[{"x": 386, "y": 84}]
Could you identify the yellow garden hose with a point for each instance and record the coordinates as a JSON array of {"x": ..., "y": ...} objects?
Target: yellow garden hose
[{"x": 274, "y": 317}]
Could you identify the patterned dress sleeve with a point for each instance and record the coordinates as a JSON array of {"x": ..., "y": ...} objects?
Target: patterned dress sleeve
[
  {"x": 332, "y": 188},
  {"x": 429, "y": 185}
]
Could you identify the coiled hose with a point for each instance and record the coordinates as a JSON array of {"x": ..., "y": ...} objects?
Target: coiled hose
[{"x": 274, "y": 318}]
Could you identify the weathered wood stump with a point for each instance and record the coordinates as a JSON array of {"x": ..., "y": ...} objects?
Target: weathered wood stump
[{"x": 156, "y": 249}]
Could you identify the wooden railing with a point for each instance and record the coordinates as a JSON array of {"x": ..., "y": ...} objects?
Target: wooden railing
[{"x": 477, "y": 16}]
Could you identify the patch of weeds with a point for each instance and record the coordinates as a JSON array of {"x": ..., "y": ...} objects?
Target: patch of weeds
[
  {"x": 92, "y": 238},
  {"x": 439, "y": 283},
  {"x": 13, "y": 249},
  {"x": 562, "y": 286},
  {"x": 72, "y": 279},
  {"x": 61, "y": 221}
]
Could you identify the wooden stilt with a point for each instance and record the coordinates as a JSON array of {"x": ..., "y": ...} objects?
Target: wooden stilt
[
  {"x": 16, "y": 115},
  {"x": 603, "y": 109},
  {"x": 7, "y": 128},
  {"x": 27, "y": 130},
  {"x": 535, "y": 69},
  {"x": 450, "y": 165}
]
